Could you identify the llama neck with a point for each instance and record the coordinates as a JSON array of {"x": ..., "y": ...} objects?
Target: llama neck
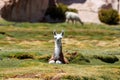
[{"x": 58, "y": 49}]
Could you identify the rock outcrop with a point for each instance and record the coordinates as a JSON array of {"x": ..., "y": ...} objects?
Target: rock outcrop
[{"x": 24, "y": 10}]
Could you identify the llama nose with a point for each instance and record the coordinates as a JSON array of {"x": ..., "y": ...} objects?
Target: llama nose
[{"x": 58, "y": 40}]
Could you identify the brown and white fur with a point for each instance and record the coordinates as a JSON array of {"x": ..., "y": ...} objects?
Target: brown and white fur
[{"x": 58, "y": 56}]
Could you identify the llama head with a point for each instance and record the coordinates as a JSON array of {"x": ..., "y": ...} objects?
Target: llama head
[{"x": 57, "y": 36}]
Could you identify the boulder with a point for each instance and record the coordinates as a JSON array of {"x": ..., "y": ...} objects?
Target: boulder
[{"x": 24, "y": 10}]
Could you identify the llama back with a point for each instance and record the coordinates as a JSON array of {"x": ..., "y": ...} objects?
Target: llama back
[{"x": 73, "y": 17}]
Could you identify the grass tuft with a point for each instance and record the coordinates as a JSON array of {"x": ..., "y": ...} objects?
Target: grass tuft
[
  {"x": 44, "y": 58},
  {"x": 77, "y": 58},
  {"x": 21, "y": 56},
  {"x": 70, "y": 77},
  {"x": 107, "y": 58}
]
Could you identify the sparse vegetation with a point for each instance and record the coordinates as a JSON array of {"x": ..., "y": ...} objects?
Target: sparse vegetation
[
  {"x": 58, "y": 12},
  {"x": 109, "y": 16}
]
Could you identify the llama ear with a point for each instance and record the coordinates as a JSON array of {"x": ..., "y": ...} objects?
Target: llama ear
[
  {"x": 54, "y": 32},
  {"x": 62, "y": 33}
]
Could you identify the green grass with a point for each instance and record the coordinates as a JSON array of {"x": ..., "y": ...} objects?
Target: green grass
[
  {"x": 26, "y": 47},
  {"x": 32, "y": 30}
]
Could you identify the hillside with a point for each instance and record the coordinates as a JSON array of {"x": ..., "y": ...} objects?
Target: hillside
[
  {"x": 88, "y": 9},
  {"x": 33, "y": 11}
]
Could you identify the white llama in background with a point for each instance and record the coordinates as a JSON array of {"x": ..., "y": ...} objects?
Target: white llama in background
[
  {"x": 72, "y": 16},
  {"x": 58, "y": 56}
]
